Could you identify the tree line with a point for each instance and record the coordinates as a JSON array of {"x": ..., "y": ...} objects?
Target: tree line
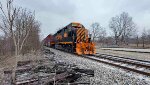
[
  {"x": 20, "y": 30},
  {"x": 124, "y": 32}
]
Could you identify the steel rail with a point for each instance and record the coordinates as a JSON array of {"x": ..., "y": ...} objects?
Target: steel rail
[
  {"x": 113, "y": 64},
  {"x": 124, "y": 60}
]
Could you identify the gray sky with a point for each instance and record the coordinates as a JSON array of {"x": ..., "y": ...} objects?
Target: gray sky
[{"x": 54, "y": 14}]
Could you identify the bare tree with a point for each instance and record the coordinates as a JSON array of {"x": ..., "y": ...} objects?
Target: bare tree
[
  {"x": 115, "y": 25},
  {"x": 137, "y": 41},
  {"x": 95, "y": 28},
  {"x": 16, "y": 23},
  {"x": 24, "y": 22},
  {"x": 122, "y": 26},
  {"x": 8, "y": 19},
  {"x": 148, "y": 35},
  {"x": 143, "y": 37},
  {"x": 32, "y": 42},
  {"x": 128, "y": 27},
  {"x": 1, "y": 46},
  {"x": 102, "y": 35}
]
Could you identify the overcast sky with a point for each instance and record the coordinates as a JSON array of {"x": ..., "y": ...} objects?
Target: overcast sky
[{"x": 54, "y": 14}]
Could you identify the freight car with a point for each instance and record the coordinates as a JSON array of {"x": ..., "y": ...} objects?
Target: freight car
[
  {"x": 74, "y": 38},
  {"x": 49, "y": 41}
]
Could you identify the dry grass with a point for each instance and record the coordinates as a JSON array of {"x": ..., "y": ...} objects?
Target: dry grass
[
  {"x": 30, "y": 56},
  {"x": 6, "y": 64},
  {"x": 139, "y": 46},
  {"x": 125, "y": 46},
  {"x": 9, "y": 63},
  {"x": 143, "y": 56}
]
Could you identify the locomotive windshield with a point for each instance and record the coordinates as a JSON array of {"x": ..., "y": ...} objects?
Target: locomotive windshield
[{"x": 77, "y": 25}]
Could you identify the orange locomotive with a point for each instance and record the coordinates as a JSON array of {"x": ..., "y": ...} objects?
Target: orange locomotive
[{"x": 74, "y": 38}]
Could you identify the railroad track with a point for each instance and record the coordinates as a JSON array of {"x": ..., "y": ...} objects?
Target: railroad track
[
  {"x": 130, "y": 64},
  {"x": 135, "y": 65}
]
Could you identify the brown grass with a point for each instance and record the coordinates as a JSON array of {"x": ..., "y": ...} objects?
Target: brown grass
[
  {"x": 8, "y": 63},
  {"x": 139, "y": 46}
]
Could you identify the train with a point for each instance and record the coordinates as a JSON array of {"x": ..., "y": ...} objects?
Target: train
[{"x": 72, "y": 38}]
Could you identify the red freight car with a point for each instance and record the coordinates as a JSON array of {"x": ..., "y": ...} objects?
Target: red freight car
[{"x": 49, "y": 41}]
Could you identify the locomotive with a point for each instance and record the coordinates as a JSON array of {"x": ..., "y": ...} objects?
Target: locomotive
[{"x": 72, "y": 38}]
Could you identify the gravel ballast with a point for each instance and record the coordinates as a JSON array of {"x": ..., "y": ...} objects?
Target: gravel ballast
[{"x": 103, "y": 74}]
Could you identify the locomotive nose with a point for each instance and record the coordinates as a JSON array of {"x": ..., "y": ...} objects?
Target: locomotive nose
[{"x": 85, "y": 48}]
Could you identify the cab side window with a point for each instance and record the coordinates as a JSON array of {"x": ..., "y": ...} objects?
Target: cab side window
[{"x": 69, "y": 33}]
